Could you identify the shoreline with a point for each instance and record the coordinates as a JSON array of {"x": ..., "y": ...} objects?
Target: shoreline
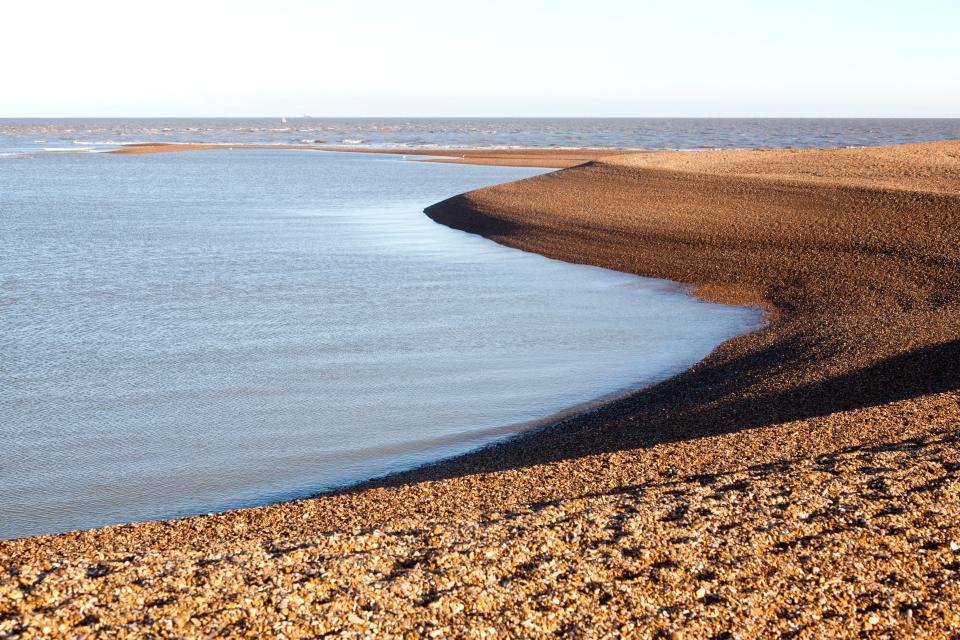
[
  {"x": 526, "y": 157},
  {"x": 490, "y": 436},
  {"x": 798, "y": 463}
]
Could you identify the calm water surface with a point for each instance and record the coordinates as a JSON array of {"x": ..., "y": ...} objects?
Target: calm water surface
[{"x": 189, "y": 332}]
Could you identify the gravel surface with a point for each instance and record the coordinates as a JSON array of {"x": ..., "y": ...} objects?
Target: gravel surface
[{"x": 803, "y": 481}]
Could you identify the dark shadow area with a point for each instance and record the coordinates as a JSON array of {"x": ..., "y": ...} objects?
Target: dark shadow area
[
  {"x": 447, "y": 214},
  {"x": 932, "y": 369},
  {"x": 720, "y": 395}
]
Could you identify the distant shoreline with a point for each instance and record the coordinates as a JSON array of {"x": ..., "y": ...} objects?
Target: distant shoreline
[{"x": 531, "y": 157}]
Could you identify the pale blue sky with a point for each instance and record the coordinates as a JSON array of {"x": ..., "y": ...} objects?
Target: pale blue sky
[{"x": 491, "y": 58}]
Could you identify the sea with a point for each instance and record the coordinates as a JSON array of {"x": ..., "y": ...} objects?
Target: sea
[
  {"x": 19, "y": 136},
  {"x": 183, "y": 333}
]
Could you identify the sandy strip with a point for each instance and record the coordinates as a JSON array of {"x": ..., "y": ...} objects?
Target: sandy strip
[
  {"x": 549, "y": 158},
  {"x": 164, "y": 147},
  {"x": 803, "y": 481}
]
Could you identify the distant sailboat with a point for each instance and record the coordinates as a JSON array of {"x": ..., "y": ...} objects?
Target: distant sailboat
[{"x": 283, "y": 121}]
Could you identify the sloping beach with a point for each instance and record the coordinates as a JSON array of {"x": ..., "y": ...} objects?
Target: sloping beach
[{"x": 803, "y": 480}]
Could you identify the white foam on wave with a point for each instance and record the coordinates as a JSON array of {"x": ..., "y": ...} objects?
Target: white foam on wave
[
  {"x": 68, "y": 149},
  {"x": 109, "y": 143}
]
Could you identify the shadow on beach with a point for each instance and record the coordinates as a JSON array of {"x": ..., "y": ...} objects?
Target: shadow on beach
[{"x": 708, "y": 400}]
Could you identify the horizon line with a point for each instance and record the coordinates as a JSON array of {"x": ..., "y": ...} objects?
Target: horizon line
[{"x": 478, "y": 117}]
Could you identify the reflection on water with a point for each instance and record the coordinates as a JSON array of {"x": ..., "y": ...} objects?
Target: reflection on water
[{"x": 189, "y": 332}]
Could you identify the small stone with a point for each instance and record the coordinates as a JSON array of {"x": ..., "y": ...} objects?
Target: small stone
[
  {"x": 955, "y": 546},
  {"x": 676, "y": 635},
  {"x": 701, "y": 593},
  {"x": 873, "y": 619}
]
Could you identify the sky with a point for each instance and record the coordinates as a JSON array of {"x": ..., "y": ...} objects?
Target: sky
[{"x": 406, "y": 58}]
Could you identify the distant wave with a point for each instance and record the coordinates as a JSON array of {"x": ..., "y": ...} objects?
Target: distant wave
[
  {"x": 109, "y": 143},
  {"x": 71, "y": 150}
]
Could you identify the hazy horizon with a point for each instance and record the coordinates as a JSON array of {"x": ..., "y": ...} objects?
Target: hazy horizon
[
  {"x": 425, "y": 58},
  {"x": 444, "y": 117}
]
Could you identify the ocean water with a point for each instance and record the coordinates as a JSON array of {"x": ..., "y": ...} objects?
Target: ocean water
[
  {"x": 18, "y": 136},
  {"x": 183, "y": 333}
]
